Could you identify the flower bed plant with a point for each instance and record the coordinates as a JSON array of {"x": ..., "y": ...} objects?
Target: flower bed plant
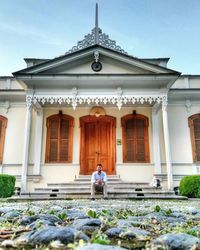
[
  {"x": 7, "y": 185},
  {"x": 190, "y": 186}
]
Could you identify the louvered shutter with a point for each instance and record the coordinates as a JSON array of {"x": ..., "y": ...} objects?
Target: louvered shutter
[
  {"x": 53, "y": 151},
  {"x": 135, "y": 138},
  {"x": 1, "y": 138},
  {"x": 1, "y": 129},
  {"x": 196, "y": 125},
  {"x": 64, "y": 140},
  {"x": 140, "y": 139},
  {"x": 130, "y": 149},
  {"x": 3, "y": 124},
  {"x": 59, "y": 138}
]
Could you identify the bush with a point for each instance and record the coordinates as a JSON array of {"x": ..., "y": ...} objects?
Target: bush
[
  {"x": 190, "y": 186},
  {"x": 7, "y": 185}
]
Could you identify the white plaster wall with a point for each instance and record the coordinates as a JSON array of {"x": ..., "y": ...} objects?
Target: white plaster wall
[
  {"x": 180, "y": 140},
  {"x": 179, "y": 135},
  {"x": 14, "y": 138},
  {"x": 195, "y": 83},
  {"x": 9, "y": 83},
  {"x": 186, "y": 82},
  {"x": 180, "y": 83}
]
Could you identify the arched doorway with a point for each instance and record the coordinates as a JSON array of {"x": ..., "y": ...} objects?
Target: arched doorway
[{"x": 98, "y": 136}]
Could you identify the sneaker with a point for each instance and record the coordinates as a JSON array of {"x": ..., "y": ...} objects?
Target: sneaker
[
  {"x": 105, "y": 198},
  {"x": 92, "y": 199}
]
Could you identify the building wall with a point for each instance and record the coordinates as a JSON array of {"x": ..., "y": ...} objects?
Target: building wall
[
  {"x": 179, "y": 139},
  {"x": 181, "y": 150}
]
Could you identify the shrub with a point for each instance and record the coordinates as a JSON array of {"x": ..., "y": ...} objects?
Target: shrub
[
  {"x": 7, "y": 185},
  {"x": 190, "y": 186}
]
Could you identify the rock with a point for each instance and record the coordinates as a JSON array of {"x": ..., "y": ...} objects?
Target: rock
[
  {"x": 178, "y": 215},
  {"x": 56, "y": 208},
  {"x": 175, "y": 241},
  {"x": 88, "y": 225},
  {"x": 175, "y": 221},
  {"x": 75, "y": 214},
  {"x": 135, "y": 232},
  {"x": 27, "y": 220},
  {"x": 8, "y": 243},
  {"x": 127, "y": 233},
  {"x": 157, "y": 216},
  {"x": 11, "y": 215},
  {"x": 64, "y": 235},
  {"x": 40, "y": 223},
  {"x": 99, "y": 247},
  {"x": 51, "y": 218},
  {"x": 124, "y": 223},
  {"x": 113, "y": 232}
]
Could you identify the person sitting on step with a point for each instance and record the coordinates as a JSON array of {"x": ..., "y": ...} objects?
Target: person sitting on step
[{"x": 99, "y": 182}]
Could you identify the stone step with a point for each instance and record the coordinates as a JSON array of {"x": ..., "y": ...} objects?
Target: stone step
[
  {"x": 89, "y": 176},
  {"x": 44, "y": 196},
  {"x": 110, "y": 189},
  {"x": 82, "y": 191},
  {"x": 82, "y": 183},
  {"x": 71, "y": 197}
]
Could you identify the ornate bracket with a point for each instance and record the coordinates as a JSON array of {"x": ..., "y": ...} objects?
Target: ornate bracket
[{"x": 117, "y": 99}]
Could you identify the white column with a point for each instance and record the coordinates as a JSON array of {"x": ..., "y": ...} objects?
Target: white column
[
  {"x": 156, "y": 140},
  {"x": 26, "y": 149},
  {"x": 167, "y": 146},
  {"x": 38, "y": 142}
]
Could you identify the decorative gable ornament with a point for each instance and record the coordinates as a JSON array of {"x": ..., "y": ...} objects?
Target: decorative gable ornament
[{"x": 96, "y": 37}]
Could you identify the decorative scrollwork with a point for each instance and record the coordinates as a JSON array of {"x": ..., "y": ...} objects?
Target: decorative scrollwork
[
  {"x": 103, "y": 40},
  {"x": 116, "y": 99}
]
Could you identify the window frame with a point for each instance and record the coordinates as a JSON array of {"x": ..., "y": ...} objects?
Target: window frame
[
  {"x": 4, "y": 121},
  {"x": 59, "y": 117},
  {"x": 192, "y": 135},
  {"x": 126, "y": 118}
]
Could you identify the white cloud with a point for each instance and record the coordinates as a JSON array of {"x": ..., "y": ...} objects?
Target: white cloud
[{"x": 33, "y": 33}]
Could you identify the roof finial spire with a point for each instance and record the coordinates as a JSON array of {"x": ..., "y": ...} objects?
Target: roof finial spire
[{"x": 96, "y": 25}]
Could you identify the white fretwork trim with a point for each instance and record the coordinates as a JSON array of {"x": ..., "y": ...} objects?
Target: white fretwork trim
[
  {"x": 75, "y": 100},
  {"x": 103, "y": 40}
]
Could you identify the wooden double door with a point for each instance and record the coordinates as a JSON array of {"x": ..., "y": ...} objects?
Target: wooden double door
[{"x": 98, "y": 136}]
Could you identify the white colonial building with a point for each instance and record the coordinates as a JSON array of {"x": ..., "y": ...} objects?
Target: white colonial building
[{"x": 97, "y": 104}]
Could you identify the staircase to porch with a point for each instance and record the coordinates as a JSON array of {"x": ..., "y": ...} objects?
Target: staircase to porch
[{"x": 117, "y": 189}]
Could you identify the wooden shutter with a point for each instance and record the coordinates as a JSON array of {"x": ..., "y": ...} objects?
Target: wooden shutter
[
  {"x": 135, "y": 138},
  {"x": 54, "y": 129},
  {"x": 59, "y": 138},
  {"x": 197, "y": 137},
  {"x": 194, "y": 123},
  {"x": 140, "y": 139},
  {"x": 3, "y": 125},
  {"x": 64, "y": 140},
  {"x": 130, "y": 147}
]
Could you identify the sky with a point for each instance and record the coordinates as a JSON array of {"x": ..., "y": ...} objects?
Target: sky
[{"x": 144, "y": 28}]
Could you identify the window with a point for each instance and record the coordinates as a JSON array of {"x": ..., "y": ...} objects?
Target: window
[
  {"x": 135, "y": 138},
  {"x": 3, "y": 125},
  {"x": 194, "y": 124},
  {"x": 59, "y": 138}
]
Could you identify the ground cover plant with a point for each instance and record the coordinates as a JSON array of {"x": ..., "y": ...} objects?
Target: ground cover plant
[
  {"x": 111, "y": 224},
  {"x": 7, "y": 185}
]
